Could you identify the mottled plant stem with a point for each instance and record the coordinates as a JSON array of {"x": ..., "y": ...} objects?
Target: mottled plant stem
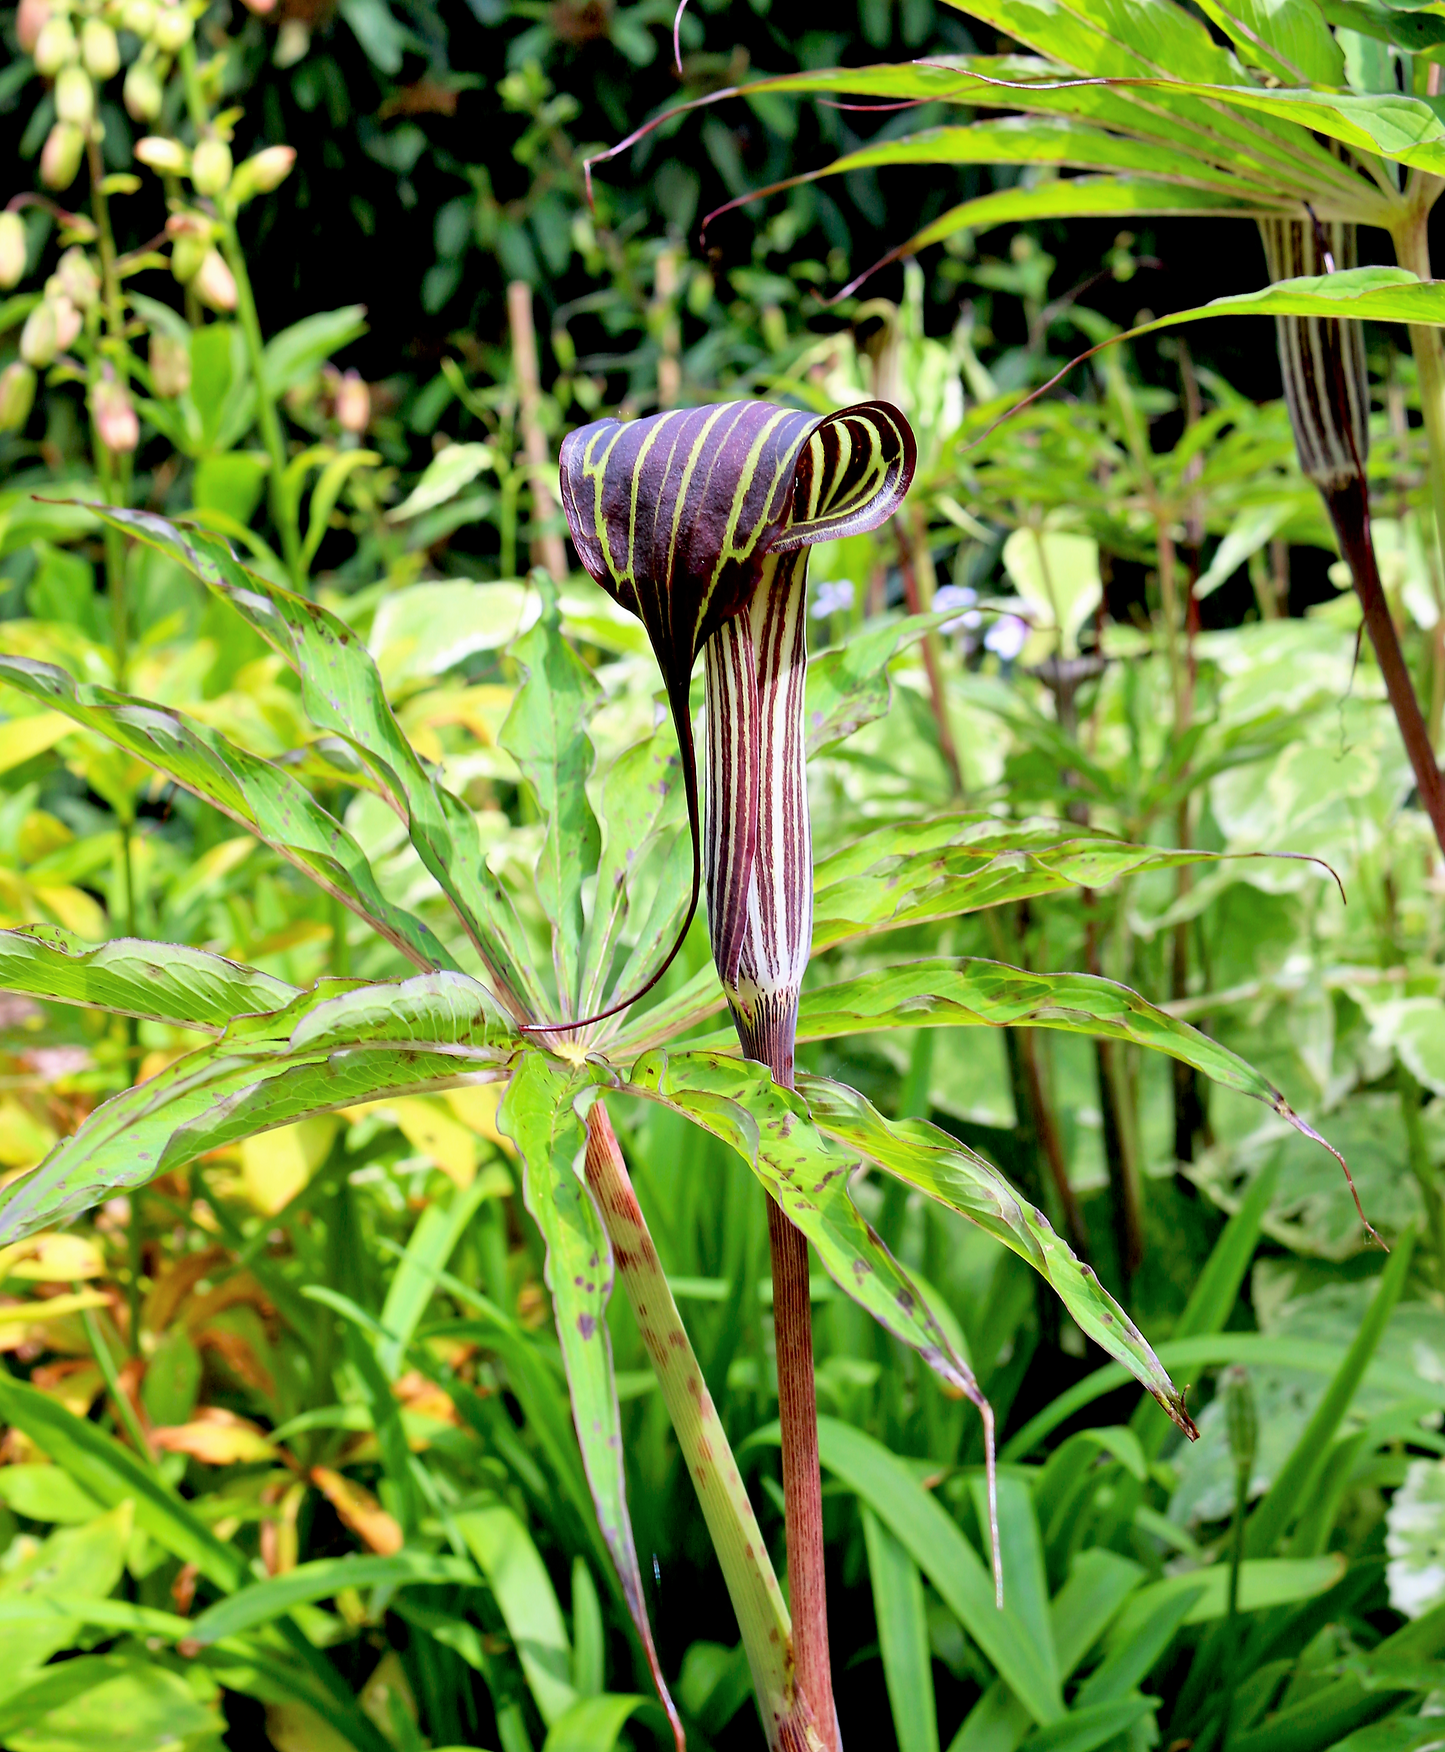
[{"x": 753, "y": 1588}]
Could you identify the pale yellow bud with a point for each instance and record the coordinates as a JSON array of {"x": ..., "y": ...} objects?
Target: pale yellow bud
[
  {"x": 99, "y": 50},
  {"x": 29, "y": 22},
  {"x": 38, "y": 341},
  {"x": 173, "y": 29},
  {"x": 12, "y": 250},
  {"x": 170, "y": 365},
  {"x": 17, "y": 395},
  {"x": 353, "y": 403},
  {"x": 55, "y": 46},
  {"x": 214, "y": 282},
  {"x": 114, "y": 415},
  {"x": 75, "y": 96},
  {"x": 142, "y": 92},
  {"x": 262, "y": 172},
  {"x": 159, "y": 153},
  {"x": 187, "y": 253},
  {"x": 75, "y": 278},
  {"x": 139, "y": 16},
  {"x": 211, "y": 166},
  {"x": 60, "y": 155}
]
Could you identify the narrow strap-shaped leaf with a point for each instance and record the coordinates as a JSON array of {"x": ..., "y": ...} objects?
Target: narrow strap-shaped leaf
[
  {"x": 899, "y": 1611},
  {"x": 934, "y": 1540},
  {"x": 923, "y": 1156},
  {"x": 162, "y": 982},
  {"x": 808, "y": 1175},
  {"x": 546, "y": 734},
  {"x": 538, "y": 1115},
  {"x": 256, "y": 793},
  {"x": 322, "y": 1579},
  {"x": 342, "y": 692},
  {"x": 320, "y": 1054}
]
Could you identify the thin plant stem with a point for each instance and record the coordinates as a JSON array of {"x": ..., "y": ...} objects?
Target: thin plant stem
[
  {"x": 547, "y": 548},
  {"x": 1350, "y": 512},
  {"x": 916, "y": 564},
  {"x": 283, "y": 508},
  {"x": 105, "y": 1362}
]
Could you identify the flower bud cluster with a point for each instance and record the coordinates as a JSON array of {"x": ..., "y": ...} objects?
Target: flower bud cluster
[
  {"x": 195, "y": 259},
  {"x": 76, "y": 44}
]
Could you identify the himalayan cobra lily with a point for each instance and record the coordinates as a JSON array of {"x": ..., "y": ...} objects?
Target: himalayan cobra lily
[{"x": 699, "y": 522}]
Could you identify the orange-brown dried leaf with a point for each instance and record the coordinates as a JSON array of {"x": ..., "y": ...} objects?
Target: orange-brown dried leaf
[{"x": 359, "y": 1510}]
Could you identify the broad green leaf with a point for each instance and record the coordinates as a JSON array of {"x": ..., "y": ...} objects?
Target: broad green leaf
[
  {"x": 1058, "y": 573},
  {"x": 1085, "y": 197},
  {"x": 167, "y": 982},
  {"x": 539, "y": 1116},
  {"x": 46, "y": 1493},
  {"x": 936, "y": 1544},
  {"x": 1285, "y": 38},
  {"x": 337, "y": 1046},
  {"x": 256, "y": 793},
  {"x": 121, "y": 1701},
  {"x": 848, "y": 686},
  {"x": 898, "y": 1609},
  {"x": 426, "y": 629},
  {"x": 342, "y": 693},
  {"x": 112, "y": 1474},
  {"x": 519, "y": 1582},
  {"x": 546, "y": 734},
  {"x": 304, "y": 347},
  {"x": 322, "y": 1579},
  {"x": 808, "y": 1174},
  {"x": 592, "y": 1724},
  {"x": 642, "y": 812},
  {"x": 443, "y": 478},
  {"x": 87, "y": 1559},
  {"x": 925, "y": 1157}
]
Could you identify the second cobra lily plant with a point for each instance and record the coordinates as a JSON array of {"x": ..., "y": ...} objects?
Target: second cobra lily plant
[{"x": 549, "y": 985}]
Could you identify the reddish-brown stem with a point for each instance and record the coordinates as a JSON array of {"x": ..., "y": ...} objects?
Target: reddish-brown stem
[
  {"x": 802, "y": 1479},
  {"x": 1349, "y": 508}
]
